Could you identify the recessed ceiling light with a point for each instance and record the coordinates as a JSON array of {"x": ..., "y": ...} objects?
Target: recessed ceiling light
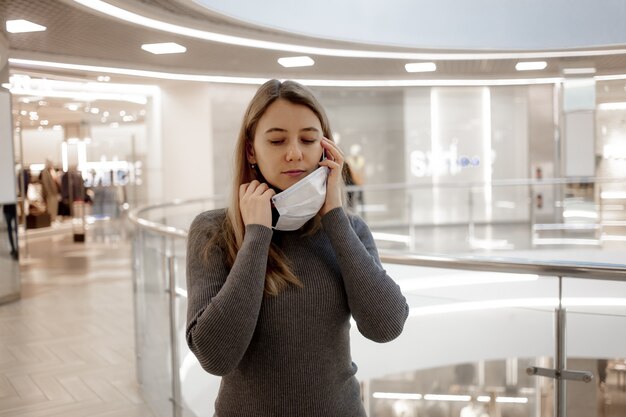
[
  {"x": 22, "y": 26},
  {"x": 296, "y": 61},
  {"x": 150, "y": 90},
  {"x": 612, "y": 106},
  {"x": 531, "y": 66},
  {"x": 421, "y": 67},
  {"x": 163, "y": 48},
  {"x": 578, "y": 71}
]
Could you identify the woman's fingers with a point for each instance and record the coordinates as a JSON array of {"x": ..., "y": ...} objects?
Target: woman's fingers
[
  {"x": 330, "y": 164},
  {"x": 254, "y": 203},
  {"x": 261, "y": 188},
  {"x": 332, "y": 150},
  {"x": 334, "y": 161}
]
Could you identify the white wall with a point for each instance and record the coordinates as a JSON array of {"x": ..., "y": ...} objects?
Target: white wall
[
  {"x": 187, "y": 141},
  {"x": 8, "y": 184},
  {"x": 228, "y": 104},
  {"x": 39, "y": 145}
]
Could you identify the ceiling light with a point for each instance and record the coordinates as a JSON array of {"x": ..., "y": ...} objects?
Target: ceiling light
[
  {"x": 612, "y": 106},
  {"x": 579, "y": 71},
  {"x": 421, "y": 67},
  {"x": 512, "y": 400},
  {"x": 23, "y": 26},
  {"x": 308, "y": 82},
  {"x": 94, "y": 110},
  {"x": 531, "y": 66},
  {"x": 440, "y": 397},
  {"x": 610, "y": 195},
  {"x": 163, "y": 48},
  {"x": 390, "y": 237},
  {"x": 296, "y": 61},
  {"x": 397, "y": 396}
]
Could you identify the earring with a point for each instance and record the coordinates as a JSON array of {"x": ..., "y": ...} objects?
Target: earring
[{"x": 253, "y": 166}]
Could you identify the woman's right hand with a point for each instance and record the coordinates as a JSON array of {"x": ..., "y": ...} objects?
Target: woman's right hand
[{"x": 255, "y": 203}]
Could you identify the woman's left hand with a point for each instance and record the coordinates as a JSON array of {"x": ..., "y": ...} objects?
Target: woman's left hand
[{"x": 334, "y": 161}]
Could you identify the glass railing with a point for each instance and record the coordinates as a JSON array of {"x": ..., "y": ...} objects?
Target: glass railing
[
  {"x": 489, "y": 333},
  {"x": 501, "y": 215}
]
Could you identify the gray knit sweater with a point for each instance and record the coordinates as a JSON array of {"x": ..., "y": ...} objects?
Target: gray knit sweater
[{"x": 288, "y": 355}]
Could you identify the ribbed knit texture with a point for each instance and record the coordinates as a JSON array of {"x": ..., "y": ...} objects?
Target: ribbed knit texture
[{"x": 288, "y": 355}]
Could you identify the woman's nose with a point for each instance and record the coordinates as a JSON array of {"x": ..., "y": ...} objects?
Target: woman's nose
[{"x": 294, "y": 153}]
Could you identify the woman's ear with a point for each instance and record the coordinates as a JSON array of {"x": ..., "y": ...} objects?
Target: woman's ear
[{"x": 250, "y": 153}]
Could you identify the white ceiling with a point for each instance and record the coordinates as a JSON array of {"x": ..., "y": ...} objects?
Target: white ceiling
[
  {"x": 80, "y": 35},
  {"x": 441, "y": 24}
]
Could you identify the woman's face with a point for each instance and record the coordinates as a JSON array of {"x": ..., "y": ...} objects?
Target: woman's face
[{"x": 286, "y": 145}]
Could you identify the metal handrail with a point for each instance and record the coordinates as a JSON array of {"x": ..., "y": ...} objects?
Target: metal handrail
[
  {"x": 135, "y": 216},
  {"x": 493, "y": 183},
  {"x": 589, "y": 270}
]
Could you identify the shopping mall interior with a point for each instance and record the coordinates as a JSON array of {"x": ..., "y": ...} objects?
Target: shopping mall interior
[{"x": 486, "y": 143}]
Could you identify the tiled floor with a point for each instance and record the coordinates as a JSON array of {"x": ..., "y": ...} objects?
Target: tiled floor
[{"x": 67, "y": 347}]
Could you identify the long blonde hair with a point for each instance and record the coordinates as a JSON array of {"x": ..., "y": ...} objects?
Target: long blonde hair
[{"x": 279, "y": 273}]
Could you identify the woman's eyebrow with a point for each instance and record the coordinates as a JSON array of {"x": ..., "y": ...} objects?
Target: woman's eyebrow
[
  {"x": 275, "y": 129},
  {"x": 279, "y": 129}
]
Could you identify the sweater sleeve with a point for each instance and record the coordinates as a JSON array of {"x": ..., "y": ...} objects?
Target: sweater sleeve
[
  {"x": 375, "y": 300},
  {"x": 223, "y": 306}
]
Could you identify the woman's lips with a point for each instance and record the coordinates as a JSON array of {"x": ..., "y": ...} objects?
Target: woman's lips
[{"x": 294, "y": 173}]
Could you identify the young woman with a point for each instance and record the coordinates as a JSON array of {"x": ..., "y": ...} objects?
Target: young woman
[{"x": 274, "y": 279}]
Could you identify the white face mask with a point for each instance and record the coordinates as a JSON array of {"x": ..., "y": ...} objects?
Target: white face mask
[{"x": 300, "y": 203}]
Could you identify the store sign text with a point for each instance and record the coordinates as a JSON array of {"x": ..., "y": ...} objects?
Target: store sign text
[{"x": 427, "y": 164}]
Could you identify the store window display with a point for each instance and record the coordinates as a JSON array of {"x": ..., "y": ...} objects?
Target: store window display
[{"x": 50, "y": 189}]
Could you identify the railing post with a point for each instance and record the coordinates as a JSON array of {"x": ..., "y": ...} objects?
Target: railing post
[
  {"x": 171, "y": 289},
  {"x": 470, "y": 212},
  {"x": 560, "y": 373},
  {"x": 412, "y": 231},
  {"x": 559, "y": 355}
]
